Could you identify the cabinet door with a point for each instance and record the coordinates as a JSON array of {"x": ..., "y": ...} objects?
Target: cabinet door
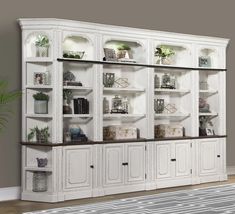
[
  {"x": 208, "y": 151},
  {"x": 183, "y": 159},
  {"x": 163, "y": 166},
  {"x": 113, "y": 164},
  {"x": 77, "y": 164},
  {"x": 135, "y": 157}
]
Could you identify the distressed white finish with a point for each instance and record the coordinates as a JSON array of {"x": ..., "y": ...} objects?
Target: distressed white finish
[{"x": 147, "y": 165}]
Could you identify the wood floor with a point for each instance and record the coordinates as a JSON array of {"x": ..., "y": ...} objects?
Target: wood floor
[{"x": 18, "y": 207}]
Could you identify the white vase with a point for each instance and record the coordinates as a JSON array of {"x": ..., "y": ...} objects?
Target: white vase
[{"x": 40, "y": 106}]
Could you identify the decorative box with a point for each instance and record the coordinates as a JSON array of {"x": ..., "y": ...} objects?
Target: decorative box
[
  {"x": 166, "y": 130},
  {"x": 119, "y": 132}
]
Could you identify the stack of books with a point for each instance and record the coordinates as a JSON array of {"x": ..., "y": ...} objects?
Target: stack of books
[{"x": 81, "y": 106}]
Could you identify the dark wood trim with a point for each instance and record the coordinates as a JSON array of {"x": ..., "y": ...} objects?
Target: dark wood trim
[
  {"x": 73, "y": 143},
  {"x": 137, "y": 64}
]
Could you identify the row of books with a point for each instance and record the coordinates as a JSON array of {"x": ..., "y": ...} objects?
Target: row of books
[{"x": 81, "y": 106}]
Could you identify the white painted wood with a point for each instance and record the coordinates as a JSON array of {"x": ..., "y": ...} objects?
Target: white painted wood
[
  {"x": 113, "y": 170},
  {"x": 77, "y": 166},
  {"x": 152, "y": 168},
  {"x": 135, "y": 157}
]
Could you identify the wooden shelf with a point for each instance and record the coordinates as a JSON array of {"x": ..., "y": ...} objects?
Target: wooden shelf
[
  {"x": 35, "y": 87},
  {"x": 41, "y": 169},
  {"x": 79, "y": 89},
  {"x": 172, "y": 116},
  {"x": 39, "y": 59},
  {"x": 39, "y": 116},
  {"x": 77, "y": 116},
  {"x": 127, "y": 117},
  {"x": 123, "y": 90},
  {"x": 169, "y": 91},
  {"x": 136, "y": 64},
  {"x": 213, "y": 114}
]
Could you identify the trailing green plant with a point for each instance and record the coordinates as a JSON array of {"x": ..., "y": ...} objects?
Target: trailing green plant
[
  {"x": 121, "y": 47},
  {"x": 42, "y": 41},
  {"x": 41, "y": 96},
  {"x": 6, "y": 97},
  {"x": 164, "y": 51},
  {"x": 68, "y": 95},
  {"x": 41, "y": 134}
]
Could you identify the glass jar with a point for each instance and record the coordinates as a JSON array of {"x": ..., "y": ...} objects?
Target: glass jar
[
  {"x": 39, "y": 182},
  {"x": 126, "y": 105},
  {"x": 116, "y": 104},
  {"x": 156, "y": 81},
  {"x": 166, "y": 81}
]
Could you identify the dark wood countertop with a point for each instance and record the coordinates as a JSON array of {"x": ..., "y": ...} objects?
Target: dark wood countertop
[{"x": 74, "y": 143}]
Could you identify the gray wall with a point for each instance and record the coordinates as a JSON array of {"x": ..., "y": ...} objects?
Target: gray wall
[{"x": 203, "y": 17}]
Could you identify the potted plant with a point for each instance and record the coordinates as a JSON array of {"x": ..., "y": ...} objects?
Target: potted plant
[
  {"x": 42, "y": 45},
  {"x": 67, "y": 97},
  {"x": 41, "y": 103},
  {"x": 123, "y": 51},
  {"x": 164, "y": 53},
  {"x": 42, "y": 134},
  {"x": 6, "y": 98}
]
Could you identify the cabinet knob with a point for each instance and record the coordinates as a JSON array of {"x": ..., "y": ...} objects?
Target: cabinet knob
[
  {"x": 91, "y": 166},
  {"x": 218, "y": 156},
  {"x": 125, "y": 164},
  {"x": 173, "y": 159}
]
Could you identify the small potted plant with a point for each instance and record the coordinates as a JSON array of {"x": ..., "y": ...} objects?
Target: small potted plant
[
  {"x": 41, "y": 103},
  {"x": 164, "y": 53},
  {"x": 123, "y": 51},
  {"x": 42, "y": 134},
  {"x": 42, "y": 45},
  {"x": 67, "y": 97}
]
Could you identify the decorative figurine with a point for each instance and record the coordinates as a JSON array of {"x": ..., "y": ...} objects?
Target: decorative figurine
[
  {"x": 108, "y": 80},
  {"x": 159, "y": 106}
]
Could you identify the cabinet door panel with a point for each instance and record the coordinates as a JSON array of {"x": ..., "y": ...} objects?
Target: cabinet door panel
[
  {"x": 113, "y": 168},
  {"x": 163, "y": 161},
  {"x": 183, "y": 159},
  {"x": 135, "y": 153},
  {"x": 208, "y": 150},
  {"x": 77, "y": 167}
]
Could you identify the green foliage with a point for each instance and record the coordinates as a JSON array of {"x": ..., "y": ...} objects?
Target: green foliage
[
  {"x": 123, "y": 47},
  {"x": 164, "y": 51},
  {"x": 6, "y": 98},
  {"x": 41, "y": 96},
  {"x": 42, "y": 41},
  {"x": 42, "y": 133}
]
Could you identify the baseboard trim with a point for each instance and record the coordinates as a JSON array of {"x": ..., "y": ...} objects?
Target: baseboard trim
[
  {"x": 231, "y": 170},
  {"x": 9, "y": 193}
]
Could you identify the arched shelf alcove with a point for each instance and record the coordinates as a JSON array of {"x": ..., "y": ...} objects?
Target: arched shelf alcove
[{"x": 77, "y": 46}]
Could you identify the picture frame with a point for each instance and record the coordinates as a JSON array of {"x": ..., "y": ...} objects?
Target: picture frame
[
  {"x": 110, "y": 54},
  {"x": 39, "y": 78}
]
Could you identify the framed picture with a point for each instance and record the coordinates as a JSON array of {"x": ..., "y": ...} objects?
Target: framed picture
[
  {"x": 110, "y": 54},
  {"x": 39, "y": 78},
  {"x": 209, "y": 132}
]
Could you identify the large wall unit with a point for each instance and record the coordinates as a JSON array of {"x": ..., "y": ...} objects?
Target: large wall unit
[{"x": 191, "y": 82}]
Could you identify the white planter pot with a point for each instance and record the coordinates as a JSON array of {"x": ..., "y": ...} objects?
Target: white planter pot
[
  {"x": 40, "y": 106},
  {"x": 42, "y": 51}
]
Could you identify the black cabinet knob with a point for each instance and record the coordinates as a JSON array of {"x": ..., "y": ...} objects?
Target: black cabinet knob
[
  {"x": 91, "y": 166},
  {"x": 218, "y": 156},
  {"x": 125, "y": 164},
  {"x": 173, "y": 159}
]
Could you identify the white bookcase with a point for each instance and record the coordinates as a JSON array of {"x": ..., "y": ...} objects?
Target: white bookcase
[{"x": 99, "y": 167}]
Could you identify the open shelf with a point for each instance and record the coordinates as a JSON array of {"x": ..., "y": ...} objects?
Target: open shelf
[
  {"x": 39, "y": 169},
  {"x": 169, "y": 91},
  {"x": 132, "y": 117},
  {"x": 35, "y": 87},
  {"x": 123, "y": 90},
  {"x": 39, "y": 116},
  {"x": 172, "y": 116},
  {"x": 39, "y": 59},
  {"x": 213, "y": 114},
  {"x": 79, "y": 89},
  {"x": 77, "y": 116}
]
